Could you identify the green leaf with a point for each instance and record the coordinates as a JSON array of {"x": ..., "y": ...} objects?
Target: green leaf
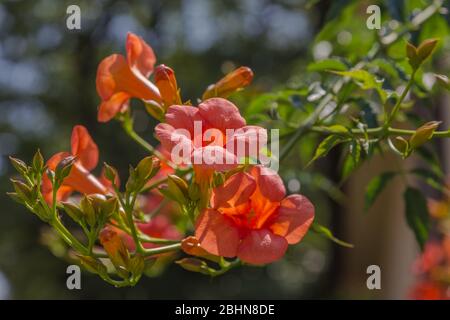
[
  {"x": 386, "y": 67},
  {"x": 352, "y": 160},
  {"x": 365, "y": 80},
  {"x": 417, "y": 214},
  {"x": 432, "y": 160},
  {"x": 322, "y": 230},
  {"x": 260, "y": 104},
  {"x": 325, "y": 146},
  {"x": 327, "y": 64},
  {"x": 375, "y": 186},
  {"x": 429, "y": 177}
]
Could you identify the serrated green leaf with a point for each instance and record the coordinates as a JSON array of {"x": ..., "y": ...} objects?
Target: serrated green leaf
[
  {"x": 416, "y": 211},
  {"x": 375, "y": 186}
]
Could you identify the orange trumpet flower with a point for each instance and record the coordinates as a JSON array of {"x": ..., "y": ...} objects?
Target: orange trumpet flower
[
  {"x": 80, "y": 179},
  {"x": 251, "y": 218},
  {"x": 120, "y": 78}
]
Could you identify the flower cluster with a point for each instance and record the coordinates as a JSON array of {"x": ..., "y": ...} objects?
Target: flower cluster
[
  {"x": 432, "y": 267},
  {"x": 204, "y": 178}
]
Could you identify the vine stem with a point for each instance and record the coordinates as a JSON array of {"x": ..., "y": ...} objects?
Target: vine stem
[
  {"x": 164, "y": 249},
  {"x": 128, "y": 207},
  {"x": 227, "y": 268},
  {"x": 144, "y": 238},
  {"x": 67, "y": 236},
  {"x": 147, "y": 252},
  {"x": 396, "y": 108},
  {"x": 381, "y": 130},
  {"x": 127, "y": 125}
]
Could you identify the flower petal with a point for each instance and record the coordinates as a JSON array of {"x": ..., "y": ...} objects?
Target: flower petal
[
  {"x": 217, "y": 234},
  {"x": 214, "y": 158},
  {"x": 83, "y": 181},
  {"x": 246, "y": 142},
  {"x": 269, "y": 183},
  {"x": 114, "y": 75},
  {"x": 176, "y": 143},
  {"x": 267, "y": 196},
  {"x": 105, "y": 81},
  {"x": 233, "y": 196},
  {"x": 140, "y": 55},
  {"x": 109, "y": 108},
  {"x": 221, "y": 114},
  {"x": 53, "y": 162},
  {"x": 293, "y": 219},
  {"x": 84, "y": 148},
  {"x": 183, "y": 117},
  {"x": 261, "y": 247}
]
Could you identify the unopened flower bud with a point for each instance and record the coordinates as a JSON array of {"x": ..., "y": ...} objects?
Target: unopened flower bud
[
  {"x": 232, "y": 82},
  {"x": 114, "y": 247},
  {"x": 167, "y": 84},
  {"x": 423, "y": 134}
]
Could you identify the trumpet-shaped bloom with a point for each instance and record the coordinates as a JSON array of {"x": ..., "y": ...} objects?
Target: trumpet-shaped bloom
[
  {"x": 251, "y": 218},
  {"x": 80, "y": 179},
  {"x": 208, "y": 136},
  {"x": 120, "y": 78}
]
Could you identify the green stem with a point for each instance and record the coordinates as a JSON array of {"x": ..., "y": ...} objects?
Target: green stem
[
  {"x": 396, "y": 108},
  {"x": 148, "y": 252},
  {"x": 165, "y": 249},
  {"x": 148, "y": 239},
  {"x": 231, "y": 265},
  {"x": 379, "y": 131},
  {"x": 147, "y": 146},
  {"x": 134, "y": 232},
  {"x": 67, "y": 236},
  {"x": 128, "y": 207},
  {"x": 59, "y": 227},
  {"x": 153, "y": 185},
  {"x": 145, "y": 238},
  {"x": 127, "y": 125}
]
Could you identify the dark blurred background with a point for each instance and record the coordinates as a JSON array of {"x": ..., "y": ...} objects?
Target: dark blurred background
[{"x": 47, "y": 85}]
